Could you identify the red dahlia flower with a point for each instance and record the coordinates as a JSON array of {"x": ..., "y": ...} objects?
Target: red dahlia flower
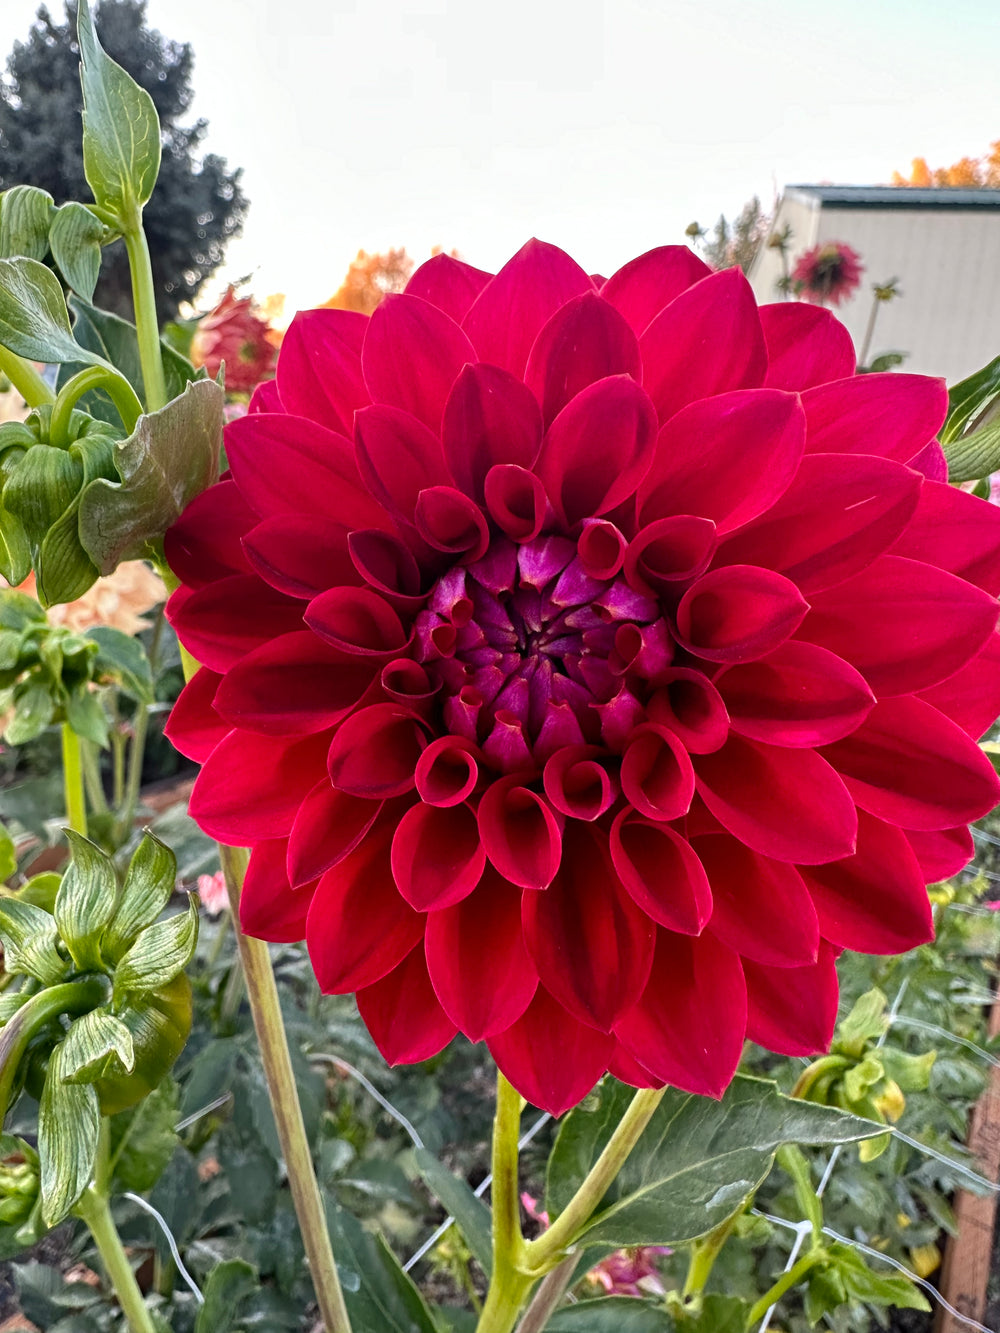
[
  {"x": 829, "y": 272},
  {"x": 588, "y": 663},
  {"x": 235, "y": 334}
]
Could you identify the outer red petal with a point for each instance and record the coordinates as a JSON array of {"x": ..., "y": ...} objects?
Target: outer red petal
[
  {"x": 890, "y": 414},
  {"x": 300, "y": 554},
  {"x": 437, "y": 857},
  {"x": 449, "y": 284},
  {"x": 793, "y": 1010},
  {"x": 957, "y": 532},
  {"x": 403, "y": 1014},
  {"x": 705, "y": 342},
  {"x": 788, "y": 804},
  {"x": 204, "y": 544},
  {"x": 689, "y": 1025},
  {"x": 328, "y": 826},
  {"x": 375, "y": 751},
  {"x": 222, "y": 622},
  {"x": 194, "y": 727},
  {"x": 551, "y": 1059},
  {"x": 359, "y": 927},
  {"x": 942, "y": 853},
  {"x": 319, "y": 367},
  {"x": 585, "y": 341},
  {"x": 251, "y": 786},
  {"x": 510, "y": 311},
  {"x": 643, "y": 286},
  {"x": 971, "y": 697},
  {"x": 398, "y": 457},
  {"x": 806, "y": 346},
  {"x": 478, "y": 961},
  {"x": 910, "y": 765},
  {"x": 490, "y": 418},
  {"x": 412, "y": 355},
  {"x": 874, "y": 901},
  {"x": 270, "y": 909},
  {"x": 592, "y": 945}
]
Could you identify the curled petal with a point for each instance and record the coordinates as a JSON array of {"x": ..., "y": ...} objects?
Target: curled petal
[
  {"x": 657, "y": 777},
  {"x": 739, "y": 613},
  {"x": 407, "y": 682},
  {"x": 598, "y": 449},
  {"x": 319, "y": 368},
  {"x": 359, "y": 927},
  {"x": 643, "y": 650},
  {"x": 293, "y": 685},
  {"x": 402, "y": 1013},
  {"x": 437, "y": 856},
  {"x": 705, "y": 342},
  {"x": 727, "y": 458},
  {"x": 576, "y": 784},
  {"x": 762, "y": 907},
  {"x": 910, "y": 765},
  {"x": 689, "y": 704},
  {"x": 270, "y": 908},
  {"x": 806, "y": 346},
  {"x": 585, "y": 340},
  {"x": 601, "y": 548},
  {"x": 412, "y": 354},
  {"x": 300, "y": 554},
  {"x": 787, "y": 804},
  {"x": 491, "y": 419},
  {"x": 662, "y": 872},
  {"x": 447, "y": 771},
  {"x": 669, "y": 552},
  {"x": 506, "y": 746},
  {"x": 798, "y": 695},
  {"x": 516, "y": 501},
  {"x": 688, "y": 1027},
  {"x": 592, "y": 945},
  {"x": 374, "y": 752},
  {"x": 251, "y": 786},
  {"x": 448, "y": 283},
  {"x": 358, "y": 622},
  {"x": 388, "y": 565},
  {"x": 478, "y": 962},
  {"x": 328, "y": 826},
  {"x": 875, "y": 900},
  {"x": 793, "y": 1010},
  {"x": 194, "y": 727},
  {"x": 520, "y": 833},
  {"x": 643, "y": 286},
  {"x": 451, "y": 522}
]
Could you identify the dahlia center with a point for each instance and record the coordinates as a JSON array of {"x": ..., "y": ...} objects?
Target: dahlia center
[{"x": 532, "y": 648}]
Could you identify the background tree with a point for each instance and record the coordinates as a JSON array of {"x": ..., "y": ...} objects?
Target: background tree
[
  {"x": 197, "y": 204},
  {"x": 734, "y": 244},
  {"x": 970, "y": 173},
  {"x": 369, "y": 278}
]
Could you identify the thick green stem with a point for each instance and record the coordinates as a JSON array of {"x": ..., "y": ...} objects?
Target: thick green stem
[
  {"x": 551, "y": 1244},
  {"x": 146, "y": 323},
  {"x": 704, "y": 1253},
  {"x": 76, "y": 802},
  {"x": 263, "y": 995},
  {"x": 784, "y": 1283},
  {"x": 509, "y": 1284},
  {"x": 25, "y": 378},
  {"x": 92, "y": 777},
  {"x": 107, "y": 378},
  {"x": 93, "y": 1208}
]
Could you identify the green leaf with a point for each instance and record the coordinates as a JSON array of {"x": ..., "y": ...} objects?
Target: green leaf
[
  {"x": 170, "y": 458},
  {"x": 160, "y": 953},
  {"x": 24, "y": 222},
  {"x": 19, "y": 611},
  {"x": 69, "y": 1123},
  {"x": 33, "y": 318},
  {"x": 378, "y": 1294},
  {"x": 861, "y": 1283},
  {"x": 911, "y": 1072},
  {"x": 228, "y": 1285},
  {"x": 29, "y": 941},
  {"x": 975, "y": 455},
  {"x": 614, "y": 1314},
  {"x": 86, "y": 716},
  {"x": 64, "y": 570},
  {"x": 115, "y": 340},
  {"x": 86, "y": 901},
  {"x": 41, "y": 890},
  {"x": 96, "y": 1045},
  {"x": 45, "y": 484},
  {"x": 15, "y": 551},
  {"x": 695, "y": 1163},
  {"x": 123, "y": 658},
  {"x": 470, "y": 1213},
  {"x": 8, "y": 854},
  {"x": 968, "y": 399},
  {"x": 75, "y": 238},
  {"x": 121, "y": 131},
  {"x": 151, "y": 878},
  {"x": 143, "y": 1139},
  {"x": 34, "y": 709},
  {"x": 864, "y": 1024}
]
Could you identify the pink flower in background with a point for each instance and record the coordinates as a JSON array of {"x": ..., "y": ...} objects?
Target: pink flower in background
[
  {"x": 827, "y": 273},
  {"x": 630, "y": 1272},
  {"x": 213, "y": 894},
  {"x": 235, "y": 334}
]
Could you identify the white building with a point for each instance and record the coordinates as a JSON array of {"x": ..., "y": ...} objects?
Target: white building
[{"x": 943, "y": 245}]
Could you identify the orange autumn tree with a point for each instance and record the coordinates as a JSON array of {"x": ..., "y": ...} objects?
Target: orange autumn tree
[
  {"x": 369, "y": 278},
  {"x": 970, "y": 173}
]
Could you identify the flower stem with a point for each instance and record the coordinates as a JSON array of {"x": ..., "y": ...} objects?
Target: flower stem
[
  {"x": 551, "y": 1244},
  {"x": 784, "y": 1283},
  {"x": 509, "y": 1284},
  {"x": 25, "y": 378},
  {"x": 136, "y": 751},
  {"x": 548, "y": 1296},
  {"x": 263, "y": 995},
  {"x": 146, "y": 323},
  {"x": 93, "y": 1208},
  {"x": 76, "y": 802},
  {"x": 115, "y": 385},
  {"x": 704, "y": 1253}
]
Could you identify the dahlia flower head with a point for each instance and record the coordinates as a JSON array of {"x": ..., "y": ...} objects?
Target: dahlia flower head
[
  {"x": 587, "y": 663},
  {"x": 829, "y": 272}
]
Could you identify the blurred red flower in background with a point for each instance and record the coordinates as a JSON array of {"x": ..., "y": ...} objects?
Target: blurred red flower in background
[
  {"x": 588, "y": 663},
  {"x": 235, "y": 333},
  {"x": 827, "y": 273}
]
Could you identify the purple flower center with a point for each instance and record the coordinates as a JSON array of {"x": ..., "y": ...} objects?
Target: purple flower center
[{"x": 533, "y": 651}]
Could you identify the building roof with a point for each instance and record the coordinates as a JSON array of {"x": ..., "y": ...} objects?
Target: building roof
[{"x": 892, "y": 196}]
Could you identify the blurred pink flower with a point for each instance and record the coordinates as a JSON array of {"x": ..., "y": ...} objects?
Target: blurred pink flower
[
  {"x": 213, "y": 894},
  {"x": 631, "y": 1272},
  {"x": 829, "y": 272}
]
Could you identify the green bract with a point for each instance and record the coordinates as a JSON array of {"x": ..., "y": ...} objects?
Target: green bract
[{"x": 113, "y": 1013}]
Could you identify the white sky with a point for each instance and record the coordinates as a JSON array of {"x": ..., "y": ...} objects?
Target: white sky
[{"x": 605, "y": 126}]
